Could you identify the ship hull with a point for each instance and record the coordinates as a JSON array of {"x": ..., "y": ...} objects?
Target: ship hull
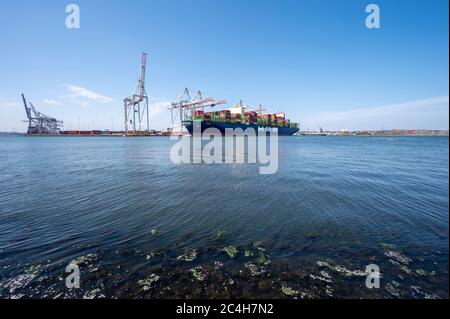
[{"x": 222, "y": 126}]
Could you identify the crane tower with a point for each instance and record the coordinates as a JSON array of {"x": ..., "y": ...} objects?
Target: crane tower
[{"x": 136, "y": 106}]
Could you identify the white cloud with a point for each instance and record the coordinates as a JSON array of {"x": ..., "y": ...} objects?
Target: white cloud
[
  {"x": 158, "y": 107},
  {"x": 82, "y": 103},
  {"x": 80, "y": 92},
  {"x": 387, "y": 110},
  {"x": 51, "y": 102},
  {"x": 8, "y": 102},
  {"x": 393, "y": 114}
]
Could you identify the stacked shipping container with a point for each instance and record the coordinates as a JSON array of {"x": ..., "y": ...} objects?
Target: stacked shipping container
[{"x": 248, "y": 118}]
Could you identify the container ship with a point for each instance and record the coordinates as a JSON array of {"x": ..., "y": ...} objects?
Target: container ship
[{"x": 238, "y": 117}]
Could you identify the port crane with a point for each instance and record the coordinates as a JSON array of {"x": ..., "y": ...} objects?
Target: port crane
[
  {"x": 39, "y": 123},
  {"x": 185, "y": 105},
  {"x": 320, "y": 128},
  {"x": 136, "y": 105},
  {"x": 260, "y": 109}
]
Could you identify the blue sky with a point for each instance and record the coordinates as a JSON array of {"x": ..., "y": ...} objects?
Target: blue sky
[{"x": 314, "y": 60}]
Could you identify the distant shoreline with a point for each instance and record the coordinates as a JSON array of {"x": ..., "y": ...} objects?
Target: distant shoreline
[
  {"x": 386, "y": 133},
  {"x": 299, "y": 135}
]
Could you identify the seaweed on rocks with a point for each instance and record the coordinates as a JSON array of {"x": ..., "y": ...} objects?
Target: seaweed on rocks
[
  {"x": 215, "y": 272},
  {"x": 232, "y": 251},
  {"x": 188, "y": 255}
]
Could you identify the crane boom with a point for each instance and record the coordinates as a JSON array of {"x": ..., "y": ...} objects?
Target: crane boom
[
  {"x": 142, "y": 78},
  {"x": 195, "y": 103},
  {"x": 27, "y": 109},
  {"x": 212, "y": 104}
]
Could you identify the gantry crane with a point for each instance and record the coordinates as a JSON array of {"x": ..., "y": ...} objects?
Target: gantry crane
[
  {"x": 136, "y": 106},
  {"x": 39, "y": 123},
  {"x": 185, "y": 106},
  {"x": 260, "y": 109}
]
